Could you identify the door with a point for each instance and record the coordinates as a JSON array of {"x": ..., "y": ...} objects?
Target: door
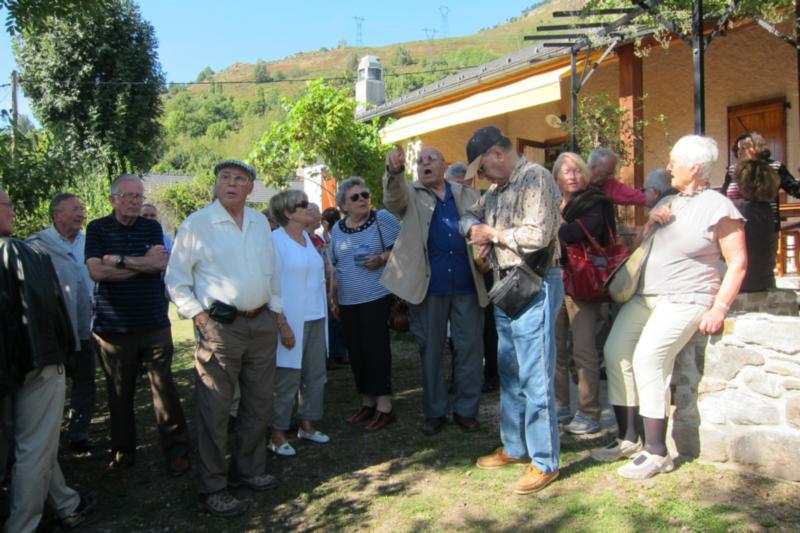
[{"x": 767, "y": 118}]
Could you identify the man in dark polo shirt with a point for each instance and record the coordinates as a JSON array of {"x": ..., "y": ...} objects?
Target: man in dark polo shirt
[{"x": 125, "y": 255}]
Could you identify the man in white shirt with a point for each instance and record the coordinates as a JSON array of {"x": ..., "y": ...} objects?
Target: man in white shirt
[
  {"x": 222, "y": 274},
  {"x": 63, "y": 241}
]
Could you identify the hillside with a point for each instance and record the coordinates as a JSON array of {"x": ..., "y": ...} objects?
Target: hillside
[{"x": 205, "y": 122}]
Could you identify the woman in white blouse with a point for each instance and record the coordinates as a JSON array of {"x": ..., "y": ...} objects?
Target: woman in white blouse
[{"x": 300, "y": 374}]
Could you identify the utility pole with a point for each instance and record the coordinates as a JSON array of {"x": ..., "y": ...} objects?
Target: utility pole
[
  {"x": 359, "y": 31},
  {"x": 444, "y": 11},
  {"x": 431, "y": 34},
  {"x": 13, "y": 113}
]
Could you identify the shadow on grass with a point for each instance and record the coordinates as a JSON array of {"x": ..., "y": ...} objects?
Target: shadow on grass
[{"x": 402, "y": 480}]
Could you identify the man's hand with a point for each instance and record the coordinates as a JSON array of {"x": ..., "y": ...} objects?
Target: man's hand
[
  {"x": 285, "y": 332},
  {"x": 200, "y": 320},
  {"x": 157, "y": 250},
  {"x": 395, "y": 160},
  {"x": 481, "y": 234}
]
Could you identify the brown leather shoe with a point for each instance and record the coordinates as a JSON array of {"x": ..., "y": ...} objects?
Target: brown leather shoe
[
  {"x": 380, "y": 421},
  {"x": 467, "y": 423},
  {"x": 534, "y": 480},
  {"x": 433, "y": 425},
  {"x": 498, "y": 459},
  {"x": 362, "y": 415}
]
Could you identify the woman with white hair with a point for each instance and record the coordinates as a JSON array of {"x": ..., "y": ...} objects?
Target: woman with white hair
[
  {"x": 680, "y": 292},
  {"x": 360, "y": 246}
]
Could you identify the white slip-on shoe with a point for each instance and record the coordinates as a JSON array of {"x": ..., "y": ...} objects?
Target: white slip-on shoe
[
  {"x": 318, "y": 436},
  {"x": 284, "y": 450},
  {"x": 619, "y": 449},
  {"x": 646, "y": 465}
]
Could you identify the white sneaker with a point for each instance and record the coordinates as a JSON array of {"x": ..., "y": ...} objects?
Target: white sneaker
[
  {"x": 619, "y": 449},
  {"x": 284, "y": 450},
  {"x": 646, "y": 465},
  {"x": 318, "y": 436}
]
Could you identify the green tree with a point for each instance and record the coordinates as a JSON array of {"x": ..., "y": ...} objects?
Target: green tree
[
  {"x": 194, "y": 115},
  {"x": 96, "y": 85},
  {"x": 36, "y": 14},
  {"x": 401, "y": 57},
  {"x": 321, "y": 124},
  {"x": 261, "y": 72},
  {"x": 207, "y": 74},
  {"x": 185, "y": 197}
]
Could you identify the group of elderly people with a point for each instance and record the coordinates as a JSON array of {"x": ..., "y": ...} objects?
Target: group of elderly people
[{"x": 431, "y": 248}]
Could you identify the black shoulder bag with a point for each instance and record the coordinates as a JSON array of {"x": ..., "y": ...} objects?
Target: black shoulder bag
[{"x": 516, "y": 289}]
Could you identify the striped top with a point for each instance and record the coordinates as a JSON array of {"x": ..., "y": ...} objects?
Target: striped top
[
  {"x": 355, "y": 283},
  {"x": 137, "y": 303}
]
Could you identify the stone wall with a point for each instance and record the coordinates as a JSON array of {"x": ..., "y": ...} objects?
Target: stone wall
[{"x": 737, "y": 395}]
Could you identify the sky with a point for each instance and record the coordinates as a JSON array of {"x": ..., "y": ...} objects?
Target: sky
[{"x": 199, "y": 33}]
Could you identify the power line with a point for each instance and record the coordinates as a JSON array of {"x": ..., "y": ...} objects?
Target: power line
[
  {"x": 253, "y": 82},
  {"x": 444, "y": 11}
]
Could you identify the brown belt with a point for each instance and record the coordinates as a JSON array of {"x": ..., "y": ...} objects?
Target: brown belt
[{"x": 252, "y": 314}]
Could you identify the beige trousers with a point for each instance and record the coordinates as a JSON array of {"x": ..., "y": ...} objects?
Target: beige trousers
[
  {"x": 578, "y": 319},
  {"x": 640, "y": 352},
  {"x": 242, "y": 352}
]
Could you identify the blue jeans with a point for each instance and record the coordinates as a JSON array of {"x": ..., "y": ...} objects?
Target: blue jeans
[{"x": 526, "y": 357}]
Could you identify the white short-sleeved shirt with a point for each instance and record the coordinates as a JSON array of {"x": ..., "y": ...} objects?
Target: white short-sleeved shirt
[{"x": 683, "y": 262}]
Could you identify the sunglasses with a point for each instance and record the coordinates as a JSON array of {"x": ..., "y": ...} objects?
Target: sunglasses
[
  {"x": 356, "y": 196},
  {"x": 303, "y": 204}
]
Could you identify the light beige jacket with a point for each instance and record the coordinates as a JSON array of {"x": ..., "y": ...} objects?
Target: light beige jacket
[{"x": 408, "y": 271}]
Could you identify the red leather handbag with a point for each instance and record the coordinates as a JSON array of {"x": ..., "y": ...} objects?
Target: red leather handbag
[{"x": 588, "y": 265}]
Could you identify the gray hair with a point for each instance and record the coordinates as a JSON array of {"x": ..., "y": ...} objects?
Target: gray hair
[
  {"x": 149, "y": 205},
  {"x": 696, "y": 150},
  {"x": 122, "y": 178},
  {"x": 312, "y": 205},
  {"x": 285, "y": 201},
  {"x": 601, "y": 154},
  {"x": 57, "y": 200},
  {"x": 346, "y": 185},
  {"x": 658, "y": 179},
  {"x": 457, "y": 170}
]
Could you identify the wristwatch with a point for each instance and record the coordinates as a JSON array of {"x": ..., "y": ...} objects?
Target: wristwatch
[{"x": 120, "y": 262}]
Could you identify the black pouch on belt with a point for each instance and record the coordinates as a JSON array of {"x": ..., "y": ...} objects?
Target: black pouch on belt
[{"x": 222, "y": 312}]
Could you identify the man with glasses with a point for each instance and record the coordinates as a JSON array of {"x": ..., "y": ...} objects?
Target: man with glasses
[
  {"x": 150, "y": 212},
  {"x": 518, "y": 216},
  {"x": 64, "y": 242},
  {"x": 222, "y": 274},
  {"x": 431, "y": 268},
  {"x": 125, "y": 255}
]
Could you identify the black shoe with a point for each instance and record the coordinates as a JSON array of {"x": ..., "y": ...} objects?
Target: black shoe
[
  {"x": 433, "y": 425},
  {"x": 77, "y": 517},
  {"x": 490, "y": 385},
  {"x": 467, "y": 423},
  {"x": 80, "y": 446}
]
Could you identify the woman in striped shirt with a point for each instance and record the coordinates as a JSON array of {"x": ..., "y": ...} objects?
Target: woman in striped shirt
[{"x": 360, "y": 246}]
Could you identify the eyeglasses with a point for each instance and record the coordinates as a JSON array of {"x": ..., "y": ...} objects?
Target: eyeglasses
[
  {"x": 237, "y": 179},
  {"x": 356, "y": 196},
  {"x": 303, "y": 205},
  {"x": 430, "y": 158},
  {"x": 127, "y": 196}
]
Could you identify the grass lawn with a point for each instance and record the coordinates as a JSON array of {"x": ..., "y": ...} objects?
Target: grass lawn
[{"x": 402, "y": 480}]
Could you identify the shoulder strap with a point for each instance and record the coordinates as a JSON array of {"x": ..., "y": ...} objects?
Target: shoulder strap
[{"x": 380, "y": 234}]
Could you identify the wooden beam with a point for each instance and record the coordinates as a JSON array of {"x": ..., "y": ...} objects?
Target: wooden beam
[{"x": 631, "y": 85}]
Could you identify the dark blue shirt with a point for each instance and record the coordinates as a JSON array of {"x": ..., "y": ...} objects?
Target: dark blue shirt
[
  {"x": 138, "y": 303},
  {"x": 447, "y": 250}
]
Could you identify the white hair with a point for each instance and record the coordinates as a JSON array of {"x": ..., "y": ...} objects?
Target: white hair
[
  {"x": 121, "y": 178},
  {"x": 696, "y": 150}
]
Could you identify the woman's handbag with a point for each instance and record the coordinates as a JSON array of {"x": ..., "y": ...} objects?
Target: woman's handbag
[
  {"x": 398, "y": 312},
  {"x": 517, "y": 288},
  {"x": 621, "y": 285},
  {"x": 588, "y": 265}
]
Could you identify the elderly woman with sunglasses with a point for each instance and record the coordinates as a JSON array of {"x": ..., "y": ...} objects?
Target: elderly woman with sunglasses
[
  {"x": 360, "y": 246},
  {"x": 300, "y": 369}
]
